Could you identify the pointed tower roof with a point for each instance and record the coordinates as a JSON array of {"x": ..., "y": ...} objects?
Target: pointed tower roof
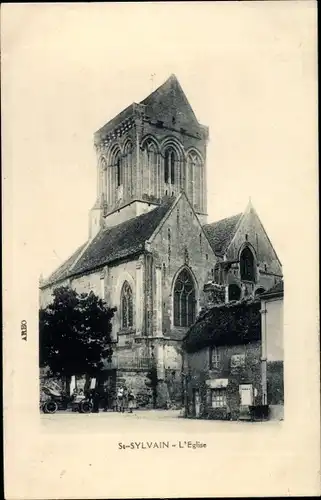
[
  {"x": 167, "y": 103},
  {"x": 170, "y": 95}
]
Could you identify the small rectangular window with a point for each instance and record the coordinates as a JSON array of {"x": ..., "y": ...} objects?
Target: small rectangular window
[
  {"x": 219, "y": 398},
  {"x": 215, "y": 358}
]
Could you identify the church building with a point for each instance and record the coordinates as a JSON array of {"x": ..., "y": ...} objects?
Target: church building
[{"x": 151, "y": 251}]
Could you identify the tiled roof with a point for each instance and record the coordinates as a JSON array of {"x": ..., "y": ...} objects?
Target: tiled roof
[
  {"x": 225, "y": 324},
  {"x": 63, "y": 271},
  {"x": 221, "y": 233},
  {"x": 118, "y": 242},
  {"x": 277, "y": 289}
]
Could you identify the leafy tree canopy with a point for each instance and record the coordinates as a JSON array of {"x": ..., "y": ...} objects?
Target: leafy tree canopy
[{"x": 75, "y": 333}]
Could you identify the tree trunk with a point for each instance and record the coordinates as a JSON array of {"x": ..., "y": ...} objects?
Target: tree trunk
[
  {"x": 67, "y": 384},
  {"x": 87, "y": 385}
]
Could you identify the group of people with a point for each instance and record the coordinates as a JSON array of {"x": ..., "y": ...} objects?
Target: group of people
[{"x": 123, "y": 399}]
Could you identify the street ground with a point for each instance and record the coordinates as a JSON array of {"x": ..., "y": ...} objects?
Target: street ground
[{"x": 140, "y": 420}]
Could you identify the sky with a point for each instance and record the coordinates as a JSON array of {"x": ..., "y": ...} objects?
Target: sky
[{"x": 247, "y": 68}]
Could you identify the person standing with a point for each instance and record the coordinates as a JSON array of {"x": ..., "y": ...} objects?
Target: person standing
[
  {"x": 95, "y": 400},
  {"x": 106, "y": 399},
  {"x": 131, "y": 401},
  {"x": 120, "y": 399}
]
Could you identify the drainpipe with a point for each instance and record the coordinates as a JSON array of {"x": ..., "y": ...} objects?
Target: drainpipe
[{"x": 264, "y": 353}]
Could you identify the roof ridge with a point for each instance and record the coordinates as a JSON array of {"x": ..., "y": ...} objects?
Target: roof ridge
[
  {"x": 156, "y": 207},
  {"x": 224, "y": 219}
]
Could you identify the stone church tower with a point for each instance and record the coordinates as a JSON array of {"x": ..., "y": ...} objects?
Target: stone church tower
[
  {"x": 149, "y": 152},
  {"x": 150, "y": 251}
]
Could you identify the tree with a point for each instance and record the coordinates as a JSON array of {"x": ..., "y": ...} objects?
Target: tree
[{"x": 75, "y": 334}]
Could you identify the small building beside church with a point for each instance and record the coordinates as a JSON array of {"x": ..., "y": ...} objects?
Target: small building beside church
[
  {"x": 151, "y": 251},
  {"x": 233, "y": 362},
  {"x": 272, "y": 350}
]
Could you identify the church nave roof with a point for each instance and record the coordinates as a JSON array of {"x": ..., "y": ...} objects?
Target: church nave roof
[
  {"x": 110, "y": 244},
  {"x": 221, "y": 233}
]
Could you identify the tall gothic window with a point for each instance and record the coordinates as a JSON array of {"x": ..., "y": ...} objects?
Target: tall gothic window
[
  {"x": 126, "y": 306},
  {"x": 127, "y": 167},
  {"x": 150, "y": 174},
  {"x": 195, "y": 180},
  {"x": 169, "y": 166},
  {"x": 118, "y": 171},
  {"x": 247, "y": 265},
  {"x": 184, "y": 299}
]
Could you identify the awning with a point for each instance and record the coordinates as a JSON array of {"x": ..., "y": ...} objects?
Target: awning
[{"x": 218, "y": 383}]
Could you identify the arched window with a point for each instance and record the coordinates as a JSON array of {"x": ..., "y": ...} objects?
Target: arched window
[
  {"x": 127, "y": 167},
  {"x": 114, "y": 177},
  {"x": 150, "y": 162},
  {"x": 169, "y": 166},
  {"x": 184, "y": 299},
  {"x": 118, "y": 171},
  {"x": 126, "y": 306},
  {"x": 247, "y": 265},
  {"x": 128, "y": 153},
  {"x": 194, "y": 179},
  {"x": 234, "y": 292}
]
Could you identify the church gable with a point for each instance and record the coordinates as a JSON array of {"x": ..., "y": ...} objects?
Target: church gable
[
  {"x": 168, "y": 104},
  {"x": 250, "y": 231},
  {"x": 178, "y": 244},
  {"x": 181, "y": 232}
]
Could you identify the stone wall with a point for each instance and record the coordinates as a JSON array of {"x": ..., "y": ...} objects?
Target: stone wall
[
  {"x": 198, "y": 372},
  {"x": 274, "y": 329},
  {"x": 275, "y": 383},
  {"x": 87, "y": 283},
  {"x": 133, "y": 209},
  {"x": 138, "y": 383},
  {"x": 181, "y": 242},
  {"x": 115, "y": 277},
  {"x": 252, "y": 232}
]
